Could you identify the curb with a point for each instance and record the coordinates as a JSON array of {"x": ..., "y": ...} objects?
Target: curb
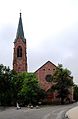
[{"x": 71, "y": 113}]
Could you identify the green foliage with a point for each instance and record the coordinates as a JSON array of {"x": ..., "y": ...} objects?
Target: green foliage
[
  {"x": 30, "y": 92},
  {"x": 63, "y": 81},
  {"x": 5, "y": 85},
  {"x": 17, "y": 82},
  {"x": 21, "y": 87},
  {"x": 75, "y": 92}
]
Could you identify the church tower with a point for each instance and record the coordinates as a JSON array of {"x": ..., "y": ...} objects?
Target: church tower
[{"x": 19, "y": 56}]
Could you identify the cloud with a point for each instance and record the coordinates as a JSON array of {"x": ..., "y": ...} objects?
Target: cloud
[
  {"x": 7, "y": 34},
  {"x": 50, "y": 27},
  {"x": 60, "y": 48}
]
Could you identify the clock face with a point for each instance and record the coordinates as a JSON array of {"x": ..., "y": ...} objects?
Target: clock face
[{"x": 49, "y": 78}]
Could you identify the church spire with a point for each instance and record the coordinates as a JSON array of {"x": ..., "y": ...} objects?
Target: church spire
[
  {"x": 20, "y": 32},
  {"x": 20, "y": 54}
]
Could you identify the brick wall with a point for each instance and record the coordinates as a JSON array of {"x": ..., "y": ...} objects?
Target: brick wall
[
  {"x": 20, "y": 63},
  {"x": 42, "y": 72}
]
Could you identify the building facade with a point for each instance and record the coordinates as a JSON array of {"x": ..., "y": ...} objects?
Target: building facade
[
  {"x": 44, "y": 73},
  {"x": 45, "y": 76},
  {"x": 20, "y": 54}
]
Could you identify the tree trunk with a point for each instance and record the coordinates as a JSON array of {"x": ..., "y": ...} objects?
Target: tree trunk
[{"x": 62, "y": 101}]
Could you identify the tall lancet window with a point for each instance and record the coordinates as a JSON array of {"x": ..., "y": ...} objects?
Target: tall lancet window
[{"x": 19, "y": 51}]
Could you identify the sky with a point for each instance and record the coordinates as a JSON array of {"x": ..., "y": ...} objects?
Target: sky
[{"x": 50, "y": 28}]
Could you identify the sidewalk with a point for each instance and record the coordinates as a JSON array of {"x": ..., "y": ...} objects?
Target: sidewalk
[{"x": 72, "y": 113}]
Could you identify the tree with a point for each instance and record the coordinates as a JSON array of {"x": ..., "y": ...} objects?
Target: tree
[
  {"x": 5, "y": 85},
  {"x": 30, "y": 91},
  {"x": 17, "y": 83},
  {"x": 18, "y": 87},
  {"x": 63, "y": 81},
  {"x": 75, "y": 92}
]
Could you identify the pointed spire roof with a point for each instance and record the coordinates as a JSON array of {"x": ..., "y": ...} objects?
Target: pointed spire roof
[{"x": 20, "y": 32}]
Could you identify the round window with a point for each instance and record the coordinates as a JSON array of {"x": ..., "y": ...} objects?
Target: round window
[{"x": 49, "y": 78}]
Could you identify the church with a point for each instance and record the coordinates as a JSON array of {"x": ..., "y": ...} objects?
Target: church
[{"x": 44, "y": 73}]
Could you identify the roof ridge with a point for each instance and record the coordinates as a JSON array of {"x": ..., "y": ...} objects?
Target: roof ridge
[{"x": 45, "y": 64}]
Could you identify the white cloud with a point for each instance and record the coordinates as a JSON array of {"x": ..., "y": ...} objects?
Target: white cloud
[{"x": 51, "y": 30}]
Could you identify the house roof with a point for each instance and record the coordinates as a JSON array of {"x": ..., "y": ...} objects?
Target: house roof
[{"x": 44, "y": 65}]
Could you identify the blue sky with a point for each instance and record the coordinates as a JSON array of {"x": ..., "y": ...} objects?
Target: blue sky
[{"x": 51, "y": 30}]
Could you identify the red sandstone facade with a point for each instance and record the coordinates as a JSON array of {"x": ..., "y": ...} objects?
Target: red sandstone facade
[
  {"x": 20, "y": 63},
  {"x": 19, "y": 56},
  {"x": 48, "y": 69}
]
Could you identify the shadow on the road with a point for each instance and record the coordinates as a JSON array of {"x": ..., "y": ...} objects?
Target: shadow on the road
[{"x": 3, "y": 108}]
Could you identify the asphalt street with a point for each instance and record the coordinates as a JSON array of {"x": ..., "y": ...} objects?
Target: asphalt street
[{"x": 45, "y": 112}]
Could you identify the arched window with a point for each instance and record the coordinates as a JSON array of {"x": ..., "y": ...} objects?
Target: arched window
[
  {"x": 49, "y": 78},
  {"x": 19, "y": 51}
]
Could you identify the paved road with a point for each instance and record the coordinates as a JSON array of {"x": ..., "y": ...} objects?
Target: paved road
[{"x": 46, "y": 112}]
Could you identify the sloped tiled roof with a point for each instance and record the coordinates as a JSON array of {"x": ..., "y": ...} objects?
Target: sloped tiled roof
[{"x": 20, "y": 32}]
